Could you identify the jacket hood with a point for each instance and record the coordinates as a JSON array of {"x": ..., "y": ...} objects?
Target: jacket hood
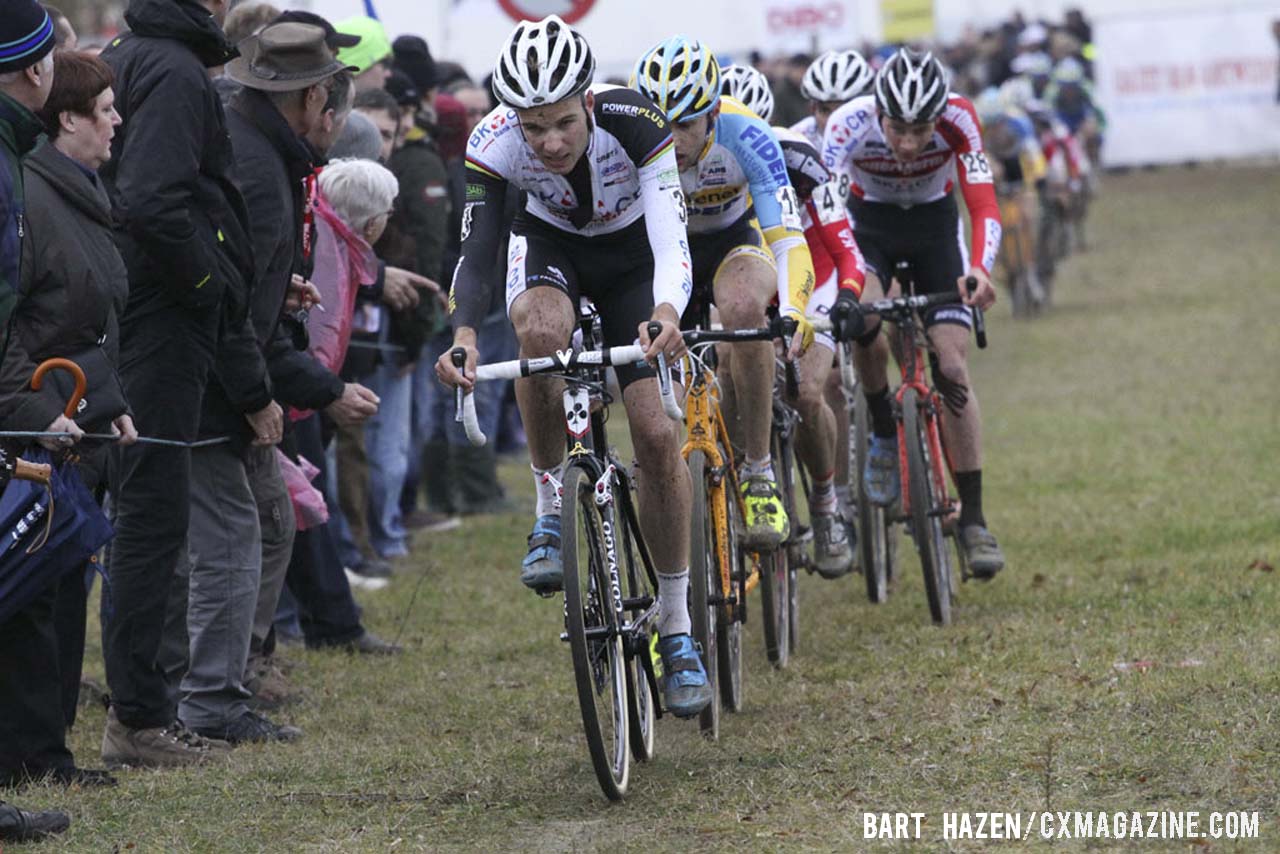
[
  {"x": 183, "y": 20},
  {"x": 19, "y": 127},
  {"x": 69, "y": 179}
]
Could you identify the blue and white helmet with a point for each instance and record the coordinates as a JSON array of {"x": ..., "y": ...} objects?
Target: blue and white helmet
[
  {"x": 681, "y": 76},
  {"x": 750, "y": 87}
]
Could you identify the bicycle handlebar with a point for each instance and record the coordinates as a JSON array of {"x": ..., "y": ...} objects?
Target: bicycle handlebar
[
  {"x": 665, "y": 391},
  {"x": 979, "y": 321}
]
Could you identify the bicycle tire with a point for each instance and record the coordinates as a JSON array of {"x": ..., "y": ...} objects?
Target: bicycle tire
[
  {"x": 873, "y": 524},
  {"x": 787, "y": 483},
  {"x": 926, "y": 525},
  {"x": 729, "y": 627},
  {"x": 641, "y": 703},
  {"x": 599, "y": 667},
  {"x": 775, "y": 598},
  {"x": 702, "y": 566}
]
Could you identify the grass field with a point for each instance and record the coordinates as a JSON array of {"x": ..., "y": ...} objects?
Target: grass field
[{"x": 1126, "y": 659}]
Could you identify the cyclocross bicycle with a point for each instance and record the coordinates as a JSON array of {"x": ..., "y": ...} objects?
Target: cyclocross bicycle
[{"x": 610, "y": 607}]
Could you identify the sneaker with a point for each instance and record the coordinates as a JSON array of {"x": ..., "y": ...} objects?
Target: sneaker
[
  {"x": 981, "y": 551},
  {"x": 370, "y": 644},
  {"x": 19, "y": 825},
  {"x": 685, "y": 688},
  {"x": 767, "y": 524},
  {"x": 832, "y": 549},
  {"x": 169, "y": 746},
  {"x": 251, "y": 728},
  {"x": 430, "y": 520},
  {"x": 541, "y": 569},
  {"x": 373, "y": 567},
  {"x": 881, "y": 477}
]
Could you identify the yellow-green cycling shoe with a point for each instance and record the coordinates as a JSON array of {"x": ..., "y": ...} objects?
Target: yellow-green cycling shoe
[{"x": 766, "y": 522}]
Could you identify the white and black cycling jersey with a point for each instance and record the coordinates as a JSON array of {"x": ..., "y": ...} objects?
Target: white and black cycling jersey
[{"x": 628, "y": 172}]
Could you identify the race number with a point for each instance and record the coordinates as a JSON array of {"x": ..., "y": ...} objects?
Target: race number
[
  {"x": 976, "y": 168},
  {"x": 677, "y": 197},
  {"x": 827, "y": 199},
  {"x": 790, "y": 208}
]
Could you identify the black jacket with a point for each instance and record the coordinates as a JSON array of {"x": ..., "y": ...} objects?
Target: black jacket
[
  {"x": 271, "y": 164},
  {"x": 72, "y": 287},
  {"x": 182, "y": 221}
]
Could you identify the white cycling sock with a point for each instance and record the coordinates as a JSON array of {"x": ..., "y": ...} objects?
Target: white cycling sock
[
  {"x": 762, "y": 467},
  {"x": 823, "y": 499},
  {"x": 673, "y": 604},
  {"x": 547, "y": 484}
]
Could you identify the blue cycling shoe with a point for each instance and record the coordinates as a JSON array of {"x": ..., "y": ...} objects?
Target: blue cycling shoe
[
  {"x": 684, "y": 682},
  {"x": 881, "y": 477},
  {"x": 541, "y": 570}
]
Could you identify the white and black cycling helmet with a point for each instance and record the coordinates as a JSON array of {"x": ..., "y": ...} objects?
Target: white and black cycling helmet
[
  {"x": 542, "y": 62},
  {"x": 750, "y": 87},
  {"x": 837, "y": 75},
  {"x": 804, "y": 165},
  {"x": 912, "y": 87}
]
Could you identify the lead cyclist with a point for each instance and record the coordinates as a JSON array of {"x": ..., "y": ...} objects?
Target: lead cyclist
[
  {"x": 605, "y": 220},
  {"x": 901, "y": 151}
]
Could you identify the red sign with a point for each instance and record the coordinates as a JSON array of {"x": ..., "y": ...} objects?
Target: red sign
[{"x": 535, "y": 10}]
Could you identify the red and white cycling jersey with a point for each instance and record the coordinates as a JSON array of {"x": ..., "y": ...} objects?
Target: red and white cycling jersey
[
  {"x": 855, "y": 150},
  {"x": 829, "y": 234}
]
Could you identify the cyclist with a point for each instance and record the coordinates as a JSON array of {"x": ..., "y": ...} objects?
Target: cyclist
[
  {"x": 838, "y": 267},
  {"x": 732, "y": 171},
  {"x": 832, "y": 80},
  {"x": 749, "y": 86},
  {"x": 604, "y": 219},
  {"x": 902, "y": 150}
]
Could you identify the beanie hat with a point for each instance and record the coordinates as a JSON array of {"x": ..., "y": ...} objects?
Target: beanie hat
[
  {"x": 26, "y": 35},
  {"x": 413, "y": 57},
  {"x": 374, "y": 45}
]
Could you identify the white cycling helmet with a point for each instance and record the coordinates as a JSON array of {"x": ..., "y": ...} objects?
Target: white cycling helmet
[
  {"x": 912, "y": 87},
  {"x": 1017, "y": 91},
  {"x": 1032, "y": 64},
  {"x": 542, "y": 62},
  {"x": 1068, "y": 70},
  {"x": 837, "y": 75},
  {"x": 750, "y": 87}
]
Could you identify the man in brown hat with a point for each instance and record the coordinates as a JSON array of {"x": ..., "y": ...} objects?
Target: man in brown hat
[{"x": 287, "y": 72}]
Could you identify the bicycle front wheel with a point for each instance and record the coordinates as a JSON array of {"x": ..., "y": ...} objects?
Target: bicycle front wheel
[
  {"x": 873, "y": 522},
  {"x": 641, "y": 700},
  {"x": 704, "y": 577},
  {"x": 729, "y": 626},
  {"x": 785, "y": 458},
  {"x": 926, "y": 517},
  {"x": 593, "y": 622}
]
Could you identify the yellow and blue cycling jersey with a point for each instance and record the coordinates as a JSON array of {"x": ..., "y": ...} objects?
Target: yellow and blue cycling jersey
[
  {"x": 1012, "y": 139},
  {"x": 742, "y": 167}
]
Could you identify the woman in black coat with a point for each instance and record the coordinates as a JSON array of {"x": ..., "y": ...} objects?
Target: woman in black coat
[{"x": 72, "y": 288}]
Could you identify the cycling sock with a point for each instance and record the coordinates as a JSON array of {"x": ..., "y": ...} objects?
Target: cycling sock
[
  {"x": 969, "y": 485},
  {"x": 547, "y": 484},
  {"x": 881, "y": 409},
  {"x": 673, "y": 604},
  {"x": 823, "y": 499},
  {"x": 844, "y": 495},
  {"x": 762, "y": 468}
]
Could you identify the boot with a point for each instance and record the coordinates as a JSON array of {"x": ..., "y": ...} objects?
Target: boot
[{"x": 475, "y": 474}]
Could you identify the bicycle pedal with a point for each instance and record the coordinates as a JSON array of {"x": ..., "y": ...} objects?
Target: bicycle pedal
[{"x": 803, "y": 535}]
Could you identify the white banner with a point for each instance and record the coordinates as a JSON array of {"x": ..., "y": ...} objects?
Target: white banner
[{"x": 1188, "y": 86}]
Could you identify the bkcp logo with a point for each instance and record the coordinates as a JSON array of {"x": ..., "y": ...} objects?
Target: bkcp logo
[{"x": 534, "y": 10}]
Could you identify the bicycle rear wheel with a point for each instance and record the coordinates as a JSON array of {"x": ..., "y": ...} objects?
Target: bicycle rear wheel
[
  {"x": 593, "y": 621},
  {"x": 704, "y": 578},
  {"x": 786, "y": 458},
  {"x": 729, "y": 626},
  {"x": 873, "y": 523},
  {"x": 775, "y": 593},
  {"x": 926, "y": 520},
  {"x": 641, "y": 702}
]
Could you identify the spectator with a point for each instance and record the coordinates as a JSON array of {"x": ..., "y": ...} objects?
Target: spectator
[
  {"x": 73, "y": 286},
  {"x": 64, "y": 34},
  {"x": 371, "y": 56},
  {"x": 184, "y": 241},
  {"x": 379, "y": 106},
  {"x": 26, "y": 76},
  {"x": 248, "y": 19}
]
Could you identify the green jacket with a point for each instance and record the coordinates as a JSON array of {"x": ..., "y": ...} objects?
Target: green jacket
[{"x": 19, "y": 131}]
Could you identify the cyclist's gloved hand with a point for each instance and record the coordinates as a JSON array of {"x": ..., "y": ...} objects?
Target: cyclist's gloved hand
[
  {"x": 846, "y": 319},
  {"x": 803, "y": 335}
]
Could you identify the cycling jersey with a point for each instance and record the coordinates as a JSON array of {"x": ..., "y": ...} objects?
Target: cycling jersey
[
  {"x": 742, "y": 166},
  {"x": 832, "y": 246},
  {"x": 808, "y": 128},
  {"x": 1011, "y": 138},
  {"x": 855, "y": 150},
  {"x": 628, "y": 171}
]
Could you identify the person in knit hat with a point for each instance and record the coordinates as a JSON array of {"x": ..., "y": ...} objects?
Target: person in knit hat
[{"x": 26, "y": 78}]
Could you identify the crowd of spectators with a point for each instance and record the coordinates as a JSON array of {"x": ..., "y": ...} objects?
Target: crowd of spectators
[{"x": 236, "y": 222}]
